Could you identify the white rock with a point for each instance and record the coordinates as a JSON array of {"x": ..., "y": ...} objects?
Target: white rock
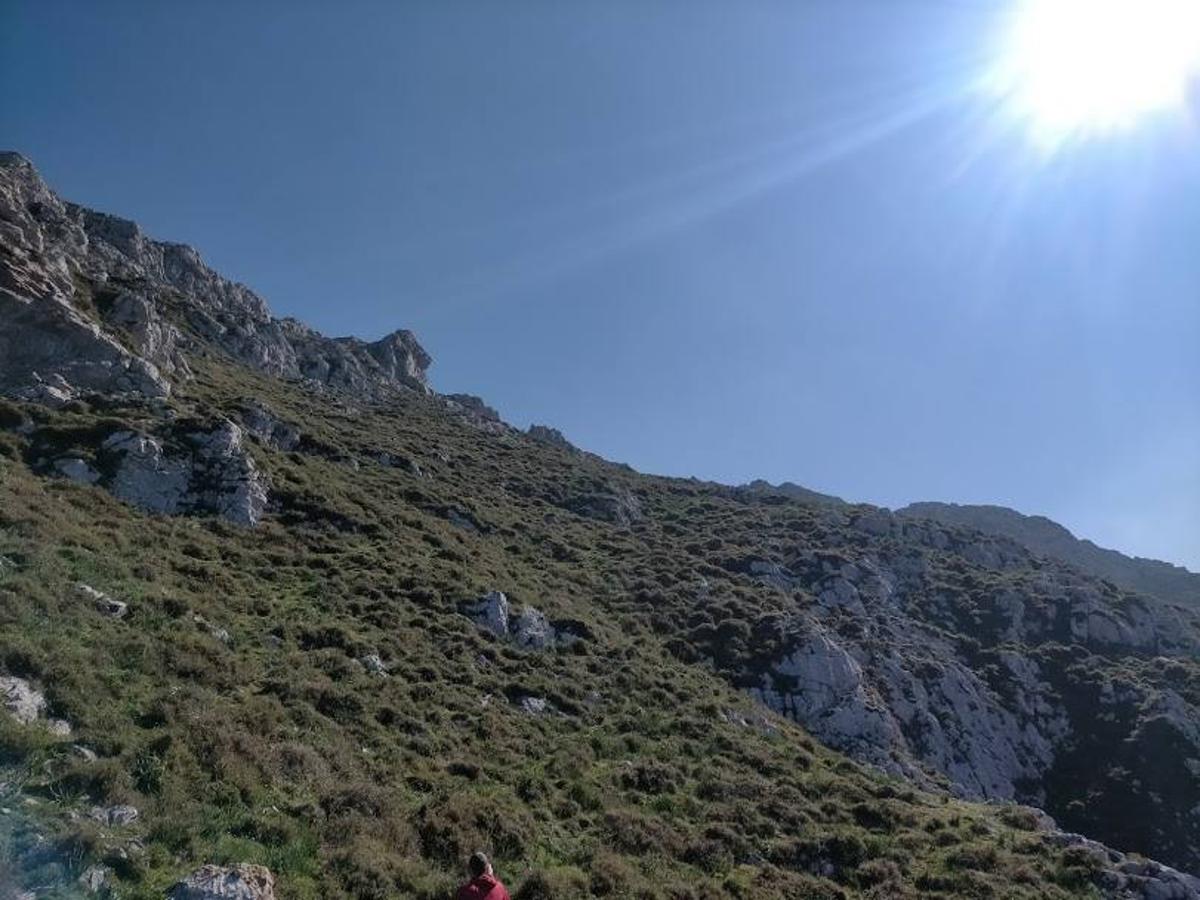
[
  {"x": 21, "y": 699},
  {"x": 535, "y": 706},
  {"x": 374, "y": 664},
  {"x": 532, "y": 630},
  {"x": 101, "y": 601},
  {"x": 114, "y": 815},
  {"x": 95, "y": 880},
  {"x": 240, "y": 882},
  {"x": 491, "y": 612}
]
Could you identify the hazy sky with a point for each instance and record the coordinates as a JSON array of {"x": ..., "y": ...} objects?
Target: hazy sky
[{"x": 731, "y": 240}]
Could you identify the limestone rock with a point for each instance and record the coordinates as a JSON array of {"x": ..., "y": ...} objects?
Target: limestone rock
[
  {"x": 101, "y": 601},
  {"x": 114, "y": 816},
  {"x": 471, "y": 406},
  {"x": 529, "y": 630},
  {"x": 239, "y": 882},
  {"x": 210, "y": 473},
  {"x": 21, "y": 699},
  {"x": 156, "y": 340},
  {"x": 491, "y": 612},
  {"x": 532, "y": 630},
  {"x": 225, "y": 479},
  {"x": 89, "y": 303},
  {"x": 772, "y": 573},
  {"x": 374, "y": 664},
  {"x": 534, "y": 706},
  {"x": 96, "y": 880},
  {"x": 145, "y": 476}
]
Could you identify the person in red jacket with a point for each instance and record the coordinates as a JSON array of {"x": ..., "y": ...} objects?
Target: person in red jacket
[{"x": 483, "y": 884}]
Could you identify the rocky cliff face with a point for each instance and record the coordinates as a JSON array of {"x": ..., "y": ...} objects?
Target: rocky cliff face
[
  {"x": 1047, "y": 538},
  {"x": 994, "y": 683},
  {"x": 90, "y": 303}
]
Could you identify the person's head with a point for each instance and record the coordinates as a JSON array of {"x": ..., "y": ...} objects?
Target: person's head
[{"x": 479, "y": 864}]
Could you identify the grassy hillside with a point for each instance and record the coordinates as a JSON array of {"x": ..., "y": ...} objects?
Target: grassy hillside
[{"x": 646, "y": 775}]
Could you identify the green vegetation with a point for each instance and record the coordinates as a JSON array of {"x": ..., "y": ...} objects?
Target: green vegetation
[{"x": 278, "y": 746}]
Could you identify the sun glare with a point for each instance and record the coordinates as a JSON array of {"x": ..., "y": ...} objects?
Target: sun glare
[{"x": 1078, "y": 67}]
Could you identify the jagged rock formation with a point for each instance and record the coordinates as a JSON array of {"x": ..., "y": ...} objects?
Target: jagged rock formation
[
  {"x": 188, "y": 469},
  {"x": 877, "y": 659},
  {"x": 90, "y": 303},
  {"x": 544, "y": 434},
  {"x": 1047, "y": 538}
]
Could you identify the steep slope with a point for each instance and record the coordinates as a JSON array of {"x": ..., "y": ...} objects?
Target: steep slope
[
  {"x": 247, "y": 614},
  {"x": 1047, "y": 538}
]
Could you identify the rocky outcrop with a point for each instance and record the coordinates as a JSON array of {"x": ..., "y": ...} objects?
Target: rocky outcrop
[
  {"x": 608, "y": 503},
  {"x": 50, "y": 353},
  {"x": 21, "y": 700},
  {"x": 551, "y": 437},
  {"x": 1123, "y": 877},
  {"x": 27, "y": 705},
  {"x": 114, "y": 816},
  {"x": 988, "y": 682},
  {"x": 90, "y": 304},
  {"x": 261, "y": 422},
  {"x": 239, "y": 882},
  {"x": 103, "y": 603},
  {"x": 529, "y": 629},
  {"x": 202, "y": 471}
]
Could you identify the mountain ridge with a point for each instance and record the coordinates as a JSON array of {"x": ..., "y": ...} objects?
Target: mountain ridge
[{"x": 1045, "y": 536}]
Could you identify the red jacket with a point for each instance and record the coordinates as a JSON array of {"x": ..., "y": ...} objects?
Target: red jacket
[{"x": 485, "y": 887}]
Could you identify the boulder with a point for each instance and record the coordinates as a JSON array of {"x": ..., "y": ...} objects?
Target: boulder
[
  {"x": 101, "y": 601},
  {"x": 21, "y": 699},
  {"x": 96, "y": 880},
  {"x": 238, "y": 882},
  {"x": 491, "y": 612},
  {"x": 374, "y": 664},
  {"x": 529, "y": 630},
  {"x": 115, "y": 816},
  {"x": 532, "y": 630},
  {"x": 534, "y": 706},
  {"x": 145, "y": 476}
]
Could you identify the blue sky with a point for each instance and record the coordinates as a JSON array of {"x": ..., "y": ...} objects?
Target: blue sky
[{"x": 730, "y": 240}]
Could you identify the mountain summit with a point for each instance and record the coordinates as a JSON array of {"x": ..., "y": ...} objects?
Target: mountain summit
[{"x": 277, "y": 619}]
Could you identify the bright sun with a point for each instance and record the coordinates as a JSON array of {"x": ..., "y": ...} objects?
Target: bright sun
[{"x": 1073, "y": 67}]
